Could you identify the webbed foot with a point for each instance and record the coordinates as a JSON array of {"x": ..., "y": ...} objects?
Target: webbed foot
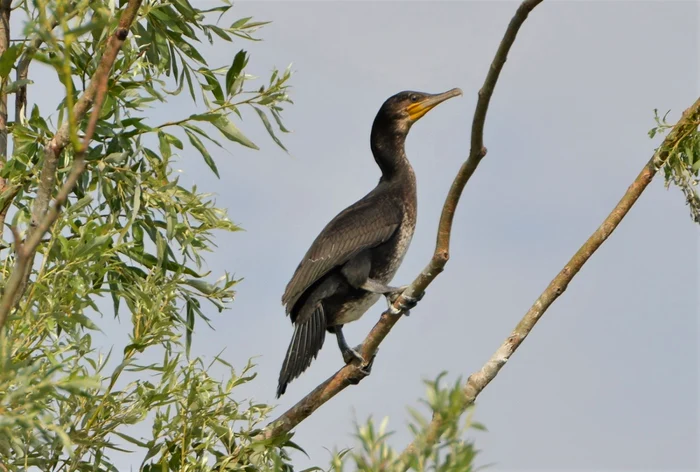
[
  {"x": 407, "y": 303},
  {"x": 365, "y": 368},
  {"x": 350, "y": 355}
]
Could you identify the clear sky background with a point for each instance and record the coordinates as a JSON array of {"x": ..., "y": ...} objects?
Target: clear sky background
[{"x": 609, "y": 379}]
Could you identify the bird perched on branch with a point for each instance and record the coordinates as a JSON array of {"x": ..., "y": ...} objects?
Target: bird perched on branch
[{"x": 348, "y": 266}]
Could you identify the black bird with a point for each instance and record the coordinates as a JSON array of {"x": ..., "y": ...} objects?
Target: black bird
[{"x": 357, "y": 254}]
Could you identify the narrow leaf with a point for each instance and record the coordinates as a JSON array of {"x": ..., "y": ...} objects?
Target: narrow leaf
[
  {"x": 268, "y": 127},
  {"x": 230, "y": 130},
  {"x": 164, "y": 145},
  {"x": 239, "y": 62},
  {"x": 203, "y": 151},
  {"x": 7, "y": 60},
  {"x": 189, "y": 328},
  {"x": 13, "y": 87}
]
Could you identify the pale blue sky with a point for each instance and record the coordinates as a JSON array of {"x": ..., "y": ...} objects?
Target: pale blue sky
[{"x": 609, "y": 378}]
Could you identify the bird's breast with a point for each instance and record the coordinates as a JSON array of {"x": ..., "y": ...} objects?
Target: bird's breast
[{"x": 387, "y": 258}]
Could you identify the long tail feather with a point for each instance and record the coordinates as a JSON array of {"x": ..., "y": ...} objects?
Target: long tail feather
[{"x": 306, "y": 343}]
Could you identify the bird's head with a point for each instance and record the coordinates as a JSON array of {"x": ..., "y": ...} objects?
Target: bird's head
[{"x": 405, "y": 108}]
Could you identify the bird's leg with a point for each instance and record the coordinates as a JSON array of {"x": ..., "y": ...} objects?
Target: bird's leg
[
  {"x": 391, "y": 294},
  {"x": 350, "y": 354}
]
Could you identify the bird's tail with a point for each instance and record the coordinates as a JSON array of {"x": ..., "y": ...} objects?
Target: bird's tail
[{"x": 307, "y": 341}]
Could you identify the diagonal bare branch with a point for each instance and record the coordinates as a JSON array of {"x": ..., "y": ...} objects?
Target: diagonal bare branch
[
  {"x": 43, "y": 216},
  {"x": 352, "y": 374},
  {"x": 477, "y": 382}
]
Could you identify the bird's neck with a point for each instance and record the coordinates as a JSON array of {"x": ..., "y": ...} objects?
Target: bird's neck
[{"x": 388, "y": 148}]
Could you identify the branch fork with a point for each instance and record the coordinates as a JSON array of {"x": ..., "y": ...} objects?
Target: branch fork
[{"x": 43, "y": 216}]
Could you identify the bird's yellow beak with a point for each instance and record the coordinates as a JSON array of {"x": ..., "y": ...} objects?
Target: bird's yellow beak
[{"x": 418, "y": 109}]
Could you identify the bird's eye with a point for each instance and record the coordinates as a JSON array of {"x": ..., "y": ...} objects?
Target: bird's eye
[{"x": 414, "y": 98}]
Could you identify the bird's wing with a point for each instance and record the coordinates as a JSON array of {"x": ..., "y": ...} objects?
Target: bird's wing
[{"x": 361, "y": 226}]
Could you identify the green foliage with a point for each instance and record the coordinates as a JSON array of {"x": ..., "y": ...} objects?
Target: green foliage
[
  {"x": 132, "y": 236},
  {"x": 452, "y": 453},
  {"x": 130, "y": 233},
  {"x": 683, "y": 163}
]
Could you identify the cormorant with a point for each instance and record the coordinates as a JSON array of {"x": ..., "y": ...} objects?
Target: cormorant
[{"x": 357, "y": 254}]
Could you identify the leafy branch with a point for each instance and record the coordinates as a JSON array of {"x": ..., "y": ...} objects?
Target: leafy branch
[
  {"x": 682, "y": 167},
  {"x": 122, "y": 227},
  {"x": 5, "y": 8},
  {"x": 42, "y": 216}
]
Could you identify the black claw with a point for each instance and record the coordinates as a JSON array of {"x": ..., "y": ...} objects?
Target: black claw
[
  {"x": 350, "y": 355},
  {"x": 367, "y": 369},
  {"x": 364, "y": 369},
  {"x": 407, "y": 303}
]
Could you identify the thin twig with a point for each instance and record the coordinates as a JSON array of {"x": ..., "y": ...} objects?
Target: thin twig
[
  {"x": 25, "y": 61},
  {"x": 477, "y": 382},
  {"x": 42, "y": 216},
  {"x": 5, "y": 10},
  {"x": 352, "y": 373},
  {"x": 23, "y": 73}
]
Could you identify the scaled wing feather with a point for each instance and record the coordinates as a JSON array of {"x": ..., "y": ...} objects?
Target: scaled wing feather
[{"x": 364, "y": 225}]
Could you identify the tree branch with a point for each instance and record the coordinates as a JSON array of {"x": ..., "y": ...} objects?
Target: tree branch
[
  {"x": 21, "y": 95},
  {"x": 23, "y": 73},
  {"x": 26, "y": 59},
  {"x": 42, "y": 216},
  {"x": 477, "y": 382},
  {"x": 352, "y": 374},
  {"x": 5, "y": 8}
]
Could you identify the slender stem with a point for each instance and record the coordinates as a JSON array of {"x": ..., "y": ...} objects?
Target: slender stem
[
  {"x": 226, "y": 106},
  {"x": 5, "y": 8},
  {"x": 352, "y": 373},
  {"x": 25, "y": 61}
]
